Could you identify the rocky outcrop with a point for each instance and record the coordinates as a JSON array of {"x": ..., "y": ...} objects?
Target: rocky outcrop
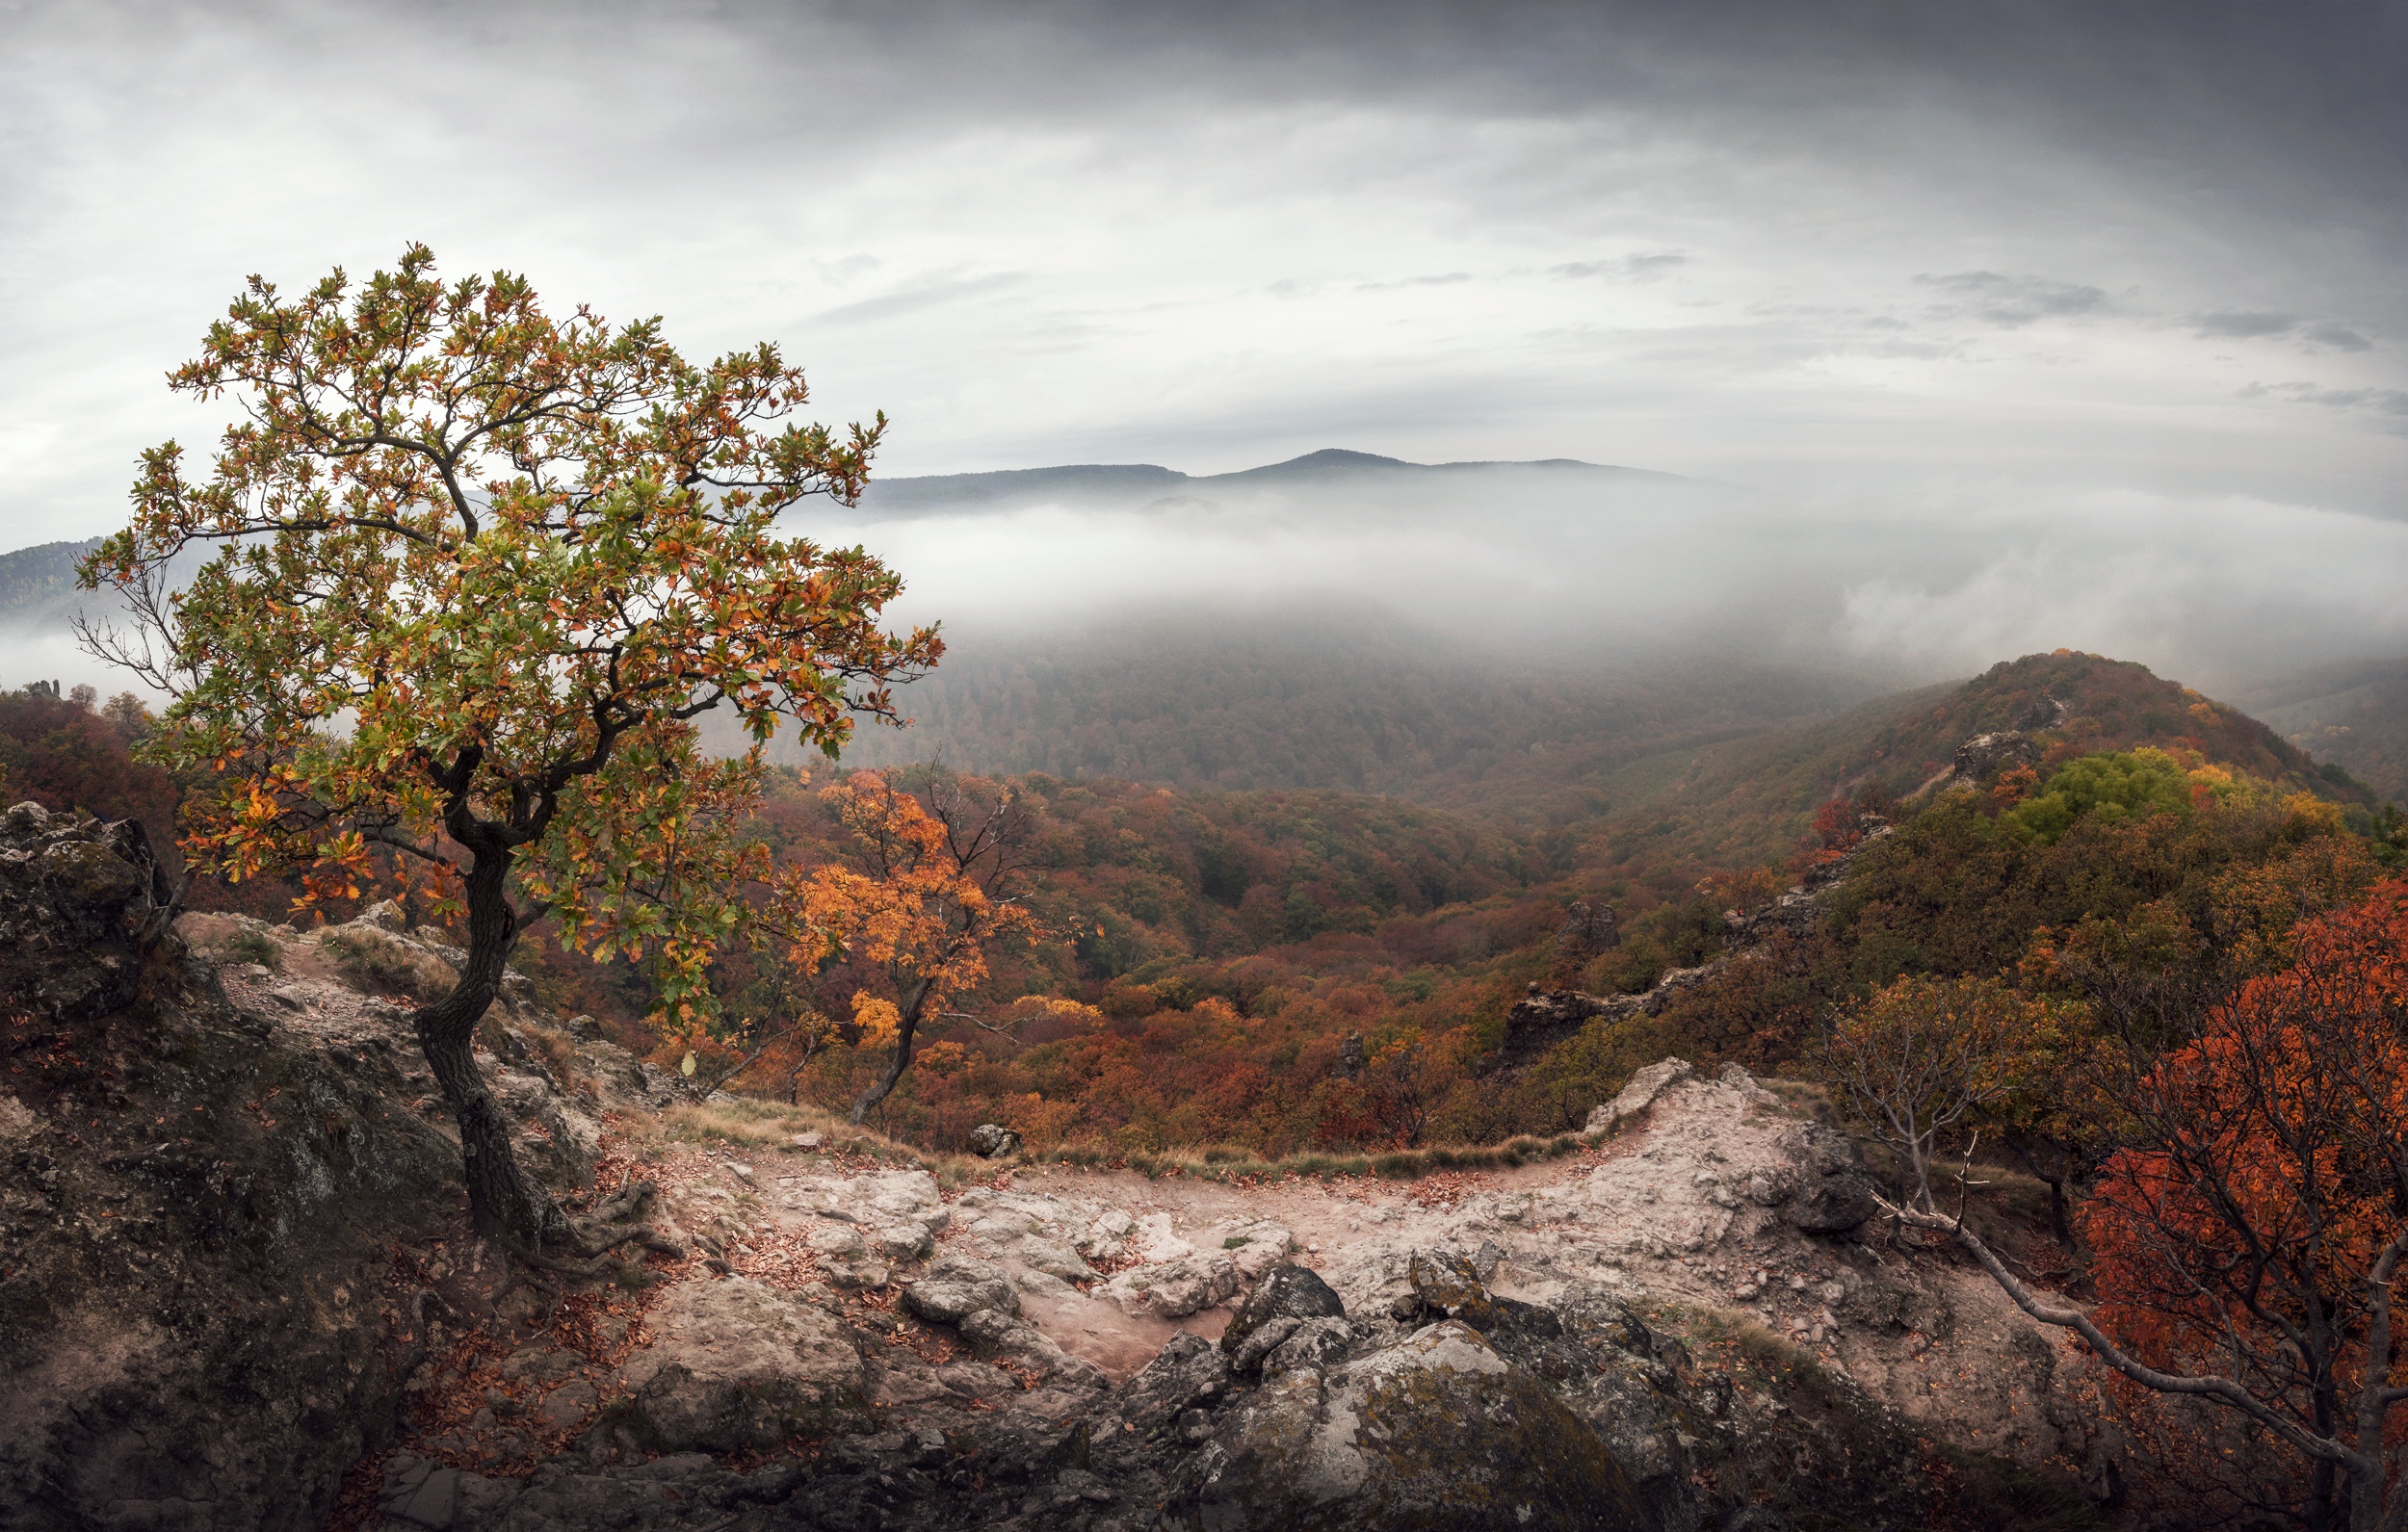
[
  {"x": 1638, "y": 1095},
  {"x": 198, "y": 1202},
  {"x": 231, "y": 1215},
  {"x": 81, "y": 908},
  {"x": 1179, "y": 1279},
  {"x": 1985, "y": 755},
  {"x": 235, "y": 1259},
  {"x": 1434, "y": 1430},
  {"x": 734, "y": 1364},
  {"x": 1287, "y": 1301},
  {"x": 992, "y": 1141},
  {"x": 1544, "y": 1018}
]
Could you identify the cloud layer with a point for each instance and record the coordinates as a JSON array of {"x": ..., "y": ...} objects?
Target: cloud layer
[{"x": 2138, "y": 257}]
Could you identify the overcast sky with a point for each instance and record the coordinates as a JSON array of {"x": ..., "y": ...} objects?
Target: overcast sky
[{"x": 1932, "y": 255}]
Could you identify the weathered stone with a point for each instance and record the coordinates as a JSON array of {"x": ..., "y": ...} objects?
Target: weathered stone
[
  {"x": 1638, "y": 1095},
  {"x": 1833, "y": 1205},
  {"x": 1352, "y": 1058},
  {"x": 208, "y": 1288},
  {"x": 993, "y": 1141},
  {"x": 1545, "y": 1017},
  {"x": 959, "y": 1287},
  {"x": 1192, "y": 1278},
  {"x": 1985, "y": 755},
  {"x": 1834, "y": 1195},
  {"x": 1286, "y": 1293},
  {"x": 1187, "y": 1373},
  {"x": 738, "y": 1365},
  {"x": 1437, "y": 1431},
  {"x": 1314, "y": 1343},
  {"x": 1054, "y": 1259}
]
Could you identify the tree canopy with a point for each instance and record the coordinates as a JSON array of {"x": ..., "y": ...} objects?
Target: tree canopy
[{"x": 477, "y": 569}]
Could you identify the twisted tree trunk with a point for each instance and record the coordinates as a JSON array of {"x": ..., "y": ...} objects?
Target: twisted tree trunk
[
  {"x": 885, "y": 1084},
  {"x": 505, "y": 1202}
]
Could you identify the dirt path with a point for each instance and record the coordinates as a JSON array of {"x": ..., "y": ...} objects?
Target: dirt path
[{"x": 1689, "y": 1212}]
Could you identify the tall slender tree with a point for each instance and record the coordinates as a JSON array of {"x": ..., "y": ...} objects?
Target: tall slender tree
[{"x": 477, "y": 569}]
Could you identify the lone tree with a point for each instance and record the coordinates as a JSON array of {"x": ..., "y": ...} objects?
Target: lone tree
[{"x": 479, "y": 568}]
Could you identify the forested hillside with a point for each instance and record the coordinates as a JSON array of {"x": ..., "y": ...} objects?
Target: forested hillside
[
  {"x": 1204, "y": 955},
  {"x": 2354, "y": 714},
  {"x": 1355, "y": 701},
  {"x": 37, "y": 584}
]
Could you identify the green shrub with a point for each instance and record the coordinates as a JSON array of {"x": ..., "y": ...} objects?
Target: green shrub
[
  {"x": 256, "y": 946},
  {"x": 379, "y": 965}
]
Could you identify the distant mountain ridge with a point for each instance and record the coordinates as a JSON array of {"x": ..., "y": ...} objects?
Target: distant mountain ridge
[
  {"x": 40, "y": 582},
  {"x": 1110, "y": 480}
]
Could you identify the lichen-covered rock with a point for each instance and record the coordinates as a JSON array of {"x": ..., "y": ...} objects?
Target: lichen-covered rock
[
  {"x": 959, "y": 1287},
  {"x": 80, "y": 906},
  {"x": 1055, "y": 1258},
  {"x": 734, "y": 1364},
  {"x": 1186, "y": 1374},
  {"x": 198, "y": 1205},
  {"x": 993, "y": 1141},
  {"x": 1638, "y": 1095},
  {"x": 1287, "y": 1293},
  {"x": 1184, "y": 1278},
  {"x": 1314, "y": 1343},
  {"x": 1834, "y": 1194},
  {"x": 1435, "y": 1431}
]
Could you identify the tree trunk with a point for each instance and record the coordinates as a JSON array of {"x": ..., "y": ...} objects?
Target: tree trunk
[
  {"x": 886, "y": 1086},
  {"x": 505, "y": 1202}
]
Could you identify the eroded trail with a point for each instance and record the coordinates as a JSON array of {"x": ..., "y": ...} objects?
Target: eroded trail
[{"x": 892, "y": 1324}]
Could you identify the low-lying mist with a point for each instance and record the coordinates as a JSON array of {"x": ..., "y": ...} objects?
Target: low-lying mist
[
  {"x": 1547, "y": 567},
  {"x": 1284, "y": 602}
]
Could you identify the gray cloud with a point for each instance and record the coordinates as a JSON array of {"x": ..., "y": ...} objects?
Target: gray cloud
[
  {"x": 912, "y": 300},
  {"x": 2382, "y": 401},
  {"x": 2013, "y": 301},
  {"x": 1440, "y": 279},
  {"x": 2247, "y": 327},
  {"x": 2336, "y": 338},
  {"x": 1626, "y": 267}
]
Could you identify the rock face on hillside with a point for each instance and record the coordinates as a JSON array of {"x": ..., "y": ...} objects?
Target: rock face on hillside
[
  {"x": 1547, "y": 1017},
  {"x": 199, "y": 1209},
  {"x": 202, "y": 1185},
  {"x": 1985, "y": 755}
]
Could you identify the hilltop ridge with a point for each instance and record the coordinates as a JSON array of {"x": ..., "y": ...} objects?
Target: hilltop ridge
[{"x": 1088, "y": 481}]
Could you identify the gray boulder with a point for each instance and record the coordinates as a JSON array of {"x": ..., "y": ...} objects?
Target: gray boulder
[
  {"x": 1834, "y": 1195},
  {"x": 1986, "y": 755},
  {"x": 739, "y": 1364},
  {"x": 1189, "y": 1373},
  {"x": 959, "y": 1287},
  {"x": 992, "y": 1141},
  {"x": 1435, "y": 1432},
  {"x": 1639, "y": 1093},
  {"x": 1285, "y": 1298}
]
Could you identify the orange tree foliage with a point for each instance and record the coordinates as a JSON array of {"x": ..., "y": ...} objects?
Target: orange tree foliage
[
  {"x": 931, "y": 885},
  {"x": 2257, "y": 1227},
  {"x": 65, "y": 755},
  {"x": 479, "y": 567},
  {"x": 1204, "y": 957},
  {"x": 2247, "y": 1242}
]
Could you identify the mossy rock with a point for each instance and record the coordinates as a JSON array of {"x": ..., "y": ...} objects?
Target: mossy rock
[{"x": 1437, "y": 1432}]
